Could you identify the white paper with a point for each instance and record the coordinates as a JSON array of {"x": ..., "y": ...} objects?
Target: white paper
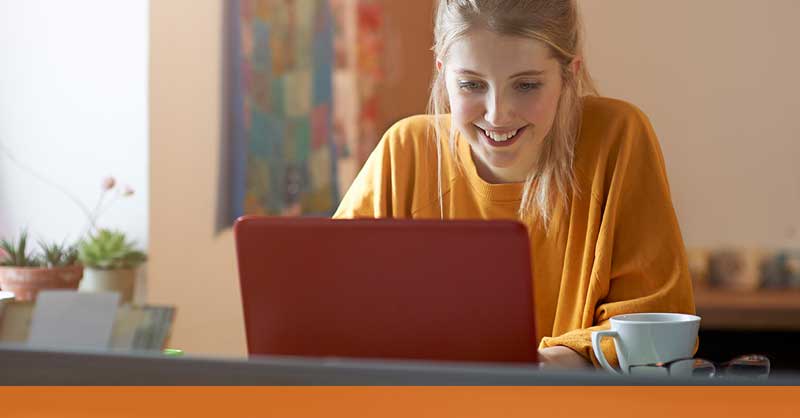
[{"x": 66, "y": 319}]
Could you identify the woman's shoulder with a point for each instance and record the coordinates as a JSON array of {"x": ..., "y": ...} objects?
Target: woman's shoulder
[
  {"x": 610, "y": 123},
  {"x": 612, "y": 129},
  {"x": 413, "y": 136},
  {"x": 411, "y": 128},
  {"x": 610, "y": 112},
  {"x": 402, "y": 168}
]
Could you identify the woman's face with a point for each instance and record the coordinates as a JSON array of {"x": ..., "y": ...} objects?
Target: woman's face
[{"x": 503, "y": 94}]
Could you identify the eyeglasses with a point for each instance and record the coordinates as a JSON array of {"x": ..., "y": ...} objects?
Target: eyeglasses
[{"x": 747, "y": 366}]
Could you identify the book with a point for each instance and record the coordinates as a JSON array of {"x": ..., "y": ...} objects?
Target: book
[{"x": 135, "y": 327}]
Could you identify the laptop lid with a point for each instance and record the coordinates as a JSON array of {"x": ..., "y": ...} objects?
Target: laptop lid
[{"x": 380, "y": 288}]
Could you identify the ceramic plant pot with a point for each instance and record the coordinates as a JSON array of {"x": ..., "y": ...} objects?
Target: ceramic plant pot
[
  {"x": 116, "y": 280},
  {"x": 26, "y": 282}
]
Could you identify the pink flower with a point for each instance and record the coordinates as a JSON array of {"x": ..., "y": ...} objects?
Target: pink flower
[
  {"x": 108, "y": 183},
  {"x": 127, "y": 191}
]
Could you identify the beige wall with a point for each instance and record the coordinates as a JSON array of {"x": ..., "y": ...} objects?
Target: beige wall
[
  {"x": 717, "y": 78},
  {"x": 189, "y": 265}
]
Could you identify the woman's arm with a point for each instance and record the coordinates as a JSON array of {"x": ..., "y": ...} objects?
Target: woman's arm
[
  {"x": 638, "y": 257},
  {"x": 563, "y": 357}
]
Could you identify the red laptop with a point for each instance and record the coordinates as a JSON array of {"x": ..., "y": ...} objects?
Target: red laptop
[{"x": 388, "y": 289}]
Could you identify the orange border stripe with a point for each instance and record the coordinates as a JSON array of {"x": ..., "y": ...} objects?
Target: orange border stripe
[{"x": 506, "y": 402}]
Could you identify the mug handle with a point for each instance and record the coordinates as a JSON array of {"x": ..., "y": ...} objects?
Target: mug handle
[{"x": 598, "y": 336}]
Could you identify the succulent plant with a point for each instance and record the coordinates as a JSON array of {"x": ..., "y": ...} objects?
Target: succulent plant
[
  {"x": 107, "y": 250},
  {"x": 58, "y": 255},
  {"x": 16, "y": 252}
]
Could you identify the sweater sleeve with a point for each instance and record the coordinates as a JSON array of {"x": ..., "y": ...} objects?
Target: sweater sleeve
[
  {"x": 369, "y": 194},
  {"x": 639, "y": 257}
]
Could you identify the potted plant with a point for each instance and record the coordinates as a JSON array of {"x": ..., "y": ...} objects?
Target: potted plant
[
  {"x": 110, "y": 263},
  {"x": 25, "y": 273}
]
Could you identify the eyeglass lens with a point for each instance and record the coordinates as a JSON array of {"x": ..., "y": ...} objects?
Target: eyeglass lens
[
  {"x": 747, "y": 366},
  {"x": 753, "y": 366}
]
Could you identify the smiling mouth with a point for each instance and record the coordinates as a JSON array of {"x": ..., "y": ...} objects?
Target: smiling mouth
[{"x": 497, "y": 139}]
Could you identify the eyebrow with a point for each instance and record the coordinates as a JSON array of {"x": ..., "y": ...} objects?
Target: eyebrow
[{"x": 477, "y": 74}]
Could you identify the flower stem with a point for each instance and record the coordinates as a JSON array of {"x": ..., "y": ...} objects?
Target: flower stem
[{"x": 4, "y": 150}]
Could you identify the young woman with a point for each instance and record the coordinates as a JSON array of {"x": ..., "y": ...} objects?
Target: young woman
[{"x": 516, "y": 131}]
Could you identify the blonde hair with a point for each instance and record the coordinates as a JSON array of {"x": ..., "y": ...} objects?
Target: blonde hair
[{"x": 553, "y": 22}]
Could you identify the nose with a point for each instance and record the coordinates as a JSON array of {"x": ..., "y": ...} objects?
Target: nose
[{"x": 498, "y": 111}]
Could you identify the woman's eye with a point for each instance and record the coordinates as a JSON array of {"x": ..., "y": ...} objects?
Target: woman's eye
[
  {"x": 470, "y": 85},
  {"x": 528, "y": 86}
]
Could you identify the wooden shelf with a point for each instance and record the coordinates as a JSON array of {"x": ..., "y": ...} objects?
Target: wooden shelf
[{"x": 768, "y": 310}]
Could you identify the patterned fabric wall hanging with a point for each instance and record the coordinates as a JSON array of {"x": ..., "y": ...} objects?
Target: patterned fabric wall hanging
[{"x": 301, "y": 103}]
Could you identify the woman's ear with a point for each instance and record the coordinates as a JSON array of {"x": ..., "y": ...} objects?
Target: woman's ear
[
  {"x": 575, "y": 65},
  {"x": 439, "y": 65}
]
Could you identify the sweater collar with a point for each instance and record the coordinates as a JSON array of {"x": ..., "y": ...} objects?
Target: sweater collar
[{"x": 509, "y": 192}]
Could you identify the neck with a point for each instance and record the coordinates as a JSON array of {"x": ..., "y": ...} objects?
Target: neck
[{"x": 499, "y": 175}]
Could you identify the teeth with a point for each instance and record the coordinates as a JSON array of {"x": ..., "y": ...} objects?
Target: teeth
[{"x": 497, "y": 137}]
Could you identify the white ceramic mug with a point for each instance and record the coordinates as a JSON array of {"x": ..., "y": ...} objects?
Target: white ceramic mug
[{"x": 648, "y": 338}]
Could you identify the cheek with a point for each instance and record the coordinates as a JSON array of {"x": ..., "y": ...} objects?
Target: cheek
[
  {"x": 465, "y": 109},
  {"x": 539, "y": 109}
]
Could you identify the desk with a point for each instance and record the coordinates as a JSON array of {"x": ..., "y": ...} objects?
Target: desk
[{"x": 27, "y": 367}]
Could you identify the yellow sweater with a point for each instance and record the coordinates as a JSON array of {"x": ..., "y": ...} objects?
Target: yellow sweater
[{"x": 615, "y": 249}]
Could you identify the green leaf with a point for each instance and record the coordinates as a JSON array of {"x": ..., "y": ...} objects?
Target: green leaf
[
  {"x": 16, "y": 252},
  {"x": 107, "y": 249}
]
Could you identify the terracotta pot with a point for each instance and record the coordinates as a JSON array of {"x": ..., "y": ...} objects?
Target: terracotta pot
[
  {"x": 118, "y": 280},
  {"x": 26, "y": 282}
]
